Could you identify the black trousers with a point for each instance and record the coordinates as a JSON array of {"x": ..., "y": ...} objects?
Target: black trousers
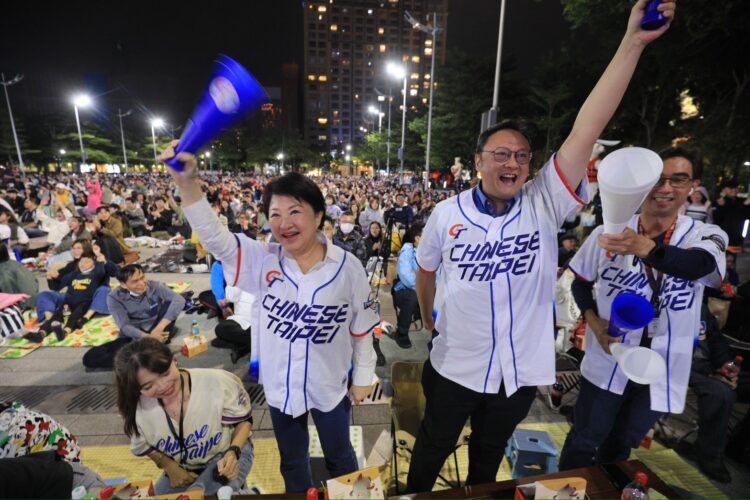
[
  {"x": 406, "y": 302},
  {"x": 715, "y": 402},
  {"x": 231, "y": 332},
  {"x": 103, "y": 356},
  {"x": 76, "y": 312},
  {"x": 448, "y": 406}
]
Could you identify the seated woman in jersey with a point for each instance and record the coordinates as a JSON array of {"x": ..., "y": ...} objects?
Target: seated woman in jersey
[
  {"x": 51, "y": 300},
  {"x": 312, "y": 322},
  {"x": 405, "y": 287},
  {"x": 194, "y": 424},
  {"x": 92, "y": 272}
]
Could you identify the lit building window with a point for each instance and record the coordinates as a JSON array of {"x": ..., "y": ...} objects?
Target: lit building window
[
  {"x": 381, "y": 31},
  {"x": 322, "y": 137},
  {"x": 322, "y": 120},
  {"x": 320, "y": 17},
  {"x": 428, "y": 51},
  {"x": 382, "y": 48},
  {"x": 381, "y": 98},
  {"x": 426, "y": 76},
  {"x": 311, "y": 78},
  {"x": 334, "y": 27},
  {"x": 414, "y": 76},
  {"x": 428, "y": 42},
  {"x": 405, "y": 58},
  {"x": 356, "y": 96},
  {"x": 415, "y": 59},
  {"x": 426, "y": 85},
  {"x": 322, "y": 8},
  {"x": 424, "y": 100},
  {"x": 322, "y": 78},
  {"x": 369, "y": 12}
]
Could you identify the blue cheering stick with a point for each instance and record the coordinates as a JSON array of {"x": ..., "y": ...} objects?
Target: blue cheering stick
[{"x": 232, "y": 94}]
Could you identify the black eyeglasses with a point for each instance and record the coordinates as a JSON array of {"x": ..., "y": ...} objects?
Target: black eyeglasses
[
  {"x": 676, "y": 181},
  {"x": 503, "y": 155}
]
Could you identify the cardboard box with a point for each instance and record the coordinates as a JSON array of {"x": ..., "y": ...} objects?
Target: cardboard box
[
  {"x": 365, "y": 483},
  {"x": 194, "y": 345},
  {"x": 567, "y": 488}
]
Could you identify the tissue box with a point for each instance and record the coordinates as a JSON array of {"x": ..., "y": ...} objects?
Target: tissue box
[
  {"x": 567, "y": 488},
  {"x": 194, "y": 345}
]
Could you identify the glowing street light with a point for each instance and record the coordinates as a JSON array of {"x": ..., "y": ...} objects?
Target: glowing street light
[
  {"x": 398, "y": 71},
  {"x": 375, "y": 111},
  {"x": 155, "y": 123},
  {"x": 81, "y": 101}
]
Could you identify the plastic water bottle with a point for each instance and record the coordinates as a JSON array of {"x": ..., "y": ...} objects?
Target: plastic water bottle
[
  {"x": 78, "y": 493},
  {"x": 224, "y": 493},
  {"x": 66, "y": 313},
  {"x": 637, "y": 489},
  {"x": 194, "y": 328},
  {"x": 732, "y": 368}
]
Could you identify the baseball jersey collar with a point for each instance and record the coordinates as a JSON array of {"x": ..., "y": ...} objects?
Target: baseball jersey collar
[
  {"x": 333, "y": 253},
  {"x": 485, "y": 205}
]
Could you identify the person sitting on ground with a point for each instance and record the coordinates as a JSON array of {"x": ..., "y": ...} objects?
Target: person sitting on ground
[
  {"x": 405, "y": 288},
  {"x": 135, "y": 216},
  {"x": 92, "y": 271},
  {"x": 55, "y": 227},
  {"x": 61, "y": 253},
  {"x": 210, "y": 407},
  {"x": 140, "y": 308},
  {"x": 374, "y": 239},
  {"x": 233, "y": 331},
  {"x": 349, "y": 239},
  {"x": 160, "y": 219},
  {"x": 16, "y": 278},
  {"x": 17, "y": 237},
  {"x": 371, "y": 214},
  {"x": 29, "y": 220},
  {"x": 111, "y": 227}
]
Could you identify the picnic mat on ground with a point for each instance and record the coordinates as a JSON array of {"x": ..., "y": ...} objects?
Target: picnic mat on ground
[
  {"x": 171, "y": 261},
  {"x": 95, "y": 332},
  {"x": 116, "y": 461}
]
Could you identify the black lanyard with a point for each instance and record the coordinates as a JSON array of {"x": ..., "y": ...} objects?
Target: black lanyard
[
  {"x": 656, "y": 282},
  {"x": 179, "y": 437}
]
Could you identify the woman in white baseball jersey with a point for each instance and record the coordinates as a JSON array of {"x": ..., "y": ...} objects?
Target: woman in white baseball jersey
[
  {"x": 194, "y": 424},
  {"x": 312, "y": 317}
]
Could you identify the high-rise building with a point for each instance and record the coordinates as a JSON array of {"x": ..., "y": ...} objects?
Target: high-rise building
[{"x": 347, "y": 46}]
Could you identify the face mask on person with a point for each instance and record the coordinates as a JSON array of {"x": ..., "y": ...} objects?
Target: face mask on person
[
  {"x": 87, "y": 271},
  {"x": 136, "y": 295},
  {"x": 347, "y": 227}
]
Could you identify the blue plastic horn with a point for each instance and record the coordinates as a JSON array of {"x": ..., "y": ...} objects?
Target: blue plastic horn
[
  {"x": 232, "y": 94},
  {"x": 653, "y": 19},
  {"x": 629, "y": 312}
]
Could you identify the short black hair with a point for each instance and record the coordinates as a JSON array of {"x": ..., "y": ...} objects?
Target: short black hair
[
  {"x": 519, "y": 127},
  {"x": 694, "y": 157},
  {"x": 413, "y": 231},
  {"x": 87, "y": 255},
  {"x": 102, "y": 208},
  {"x": 347, "y": 212},
  {"x": 298, "y": 186},
  {"x": 133, "y": 199},
  {"x": 127, "y": 272},
  {"x": 34, "y": 199}
]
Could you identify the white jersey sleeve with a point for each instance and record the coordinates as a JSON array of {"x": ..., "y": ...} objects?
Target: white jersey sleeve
[
  {"x": 138, "y": 444},
  {"x": 552, "y": 194},
  {"x": 364, "y": 319},
  {"x": 714, "y": 240},
  {"x": 430, "y": 250},
  {"x": 240, "y": 256},
  {"x": 236, "y": 406},
  {"x": 585, "y": 263}
]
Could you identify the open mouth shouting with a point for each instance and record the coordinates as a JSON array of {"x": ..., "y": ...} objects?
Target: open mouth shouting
[{"x": 508, "y": 179}]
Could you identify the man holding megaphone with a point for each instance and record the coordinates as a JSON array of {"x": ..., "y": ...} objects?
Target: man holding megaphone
[
  {"x": 666, "y": 259},
  {"x": 497, "y": 247}
]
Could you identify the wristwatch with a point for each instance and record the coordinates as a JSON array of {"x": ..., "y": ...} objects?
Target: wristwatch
[{"x": 236, "y": 449}]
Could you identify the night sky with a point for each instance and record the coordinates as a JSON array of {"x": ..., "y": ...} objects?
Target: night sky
[{"x": 159, "y": 54}]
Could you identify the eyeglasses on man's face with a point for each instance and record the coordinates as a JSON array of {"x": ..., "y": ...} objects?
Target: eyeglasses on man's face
[
  {"x": 678, "y": 181},
  {"x": 503, "y": 155}
]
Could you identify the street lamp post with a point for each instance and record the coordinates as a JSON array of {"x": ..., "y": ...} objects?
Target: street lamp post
[
  {"x": 489, "y": 117},
  {"x": 280, "y": 157},
  {"x": 5, "y": 85},
  {"x": 430, "y": 31},
  {"x": 59, "y": 160},
  {"x": 375, "y": 111},
  {"x": 155, "y": 123},
  {"x": 120, "y": 114},
  {"x": 210, "y": 161},
  {"x": 81, "y": 101},
  {"x": 400, "y": 72}
]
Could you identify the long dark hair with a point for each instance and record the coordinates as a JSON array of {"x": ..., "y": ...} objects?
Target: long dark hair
[{"x": 147, "y": 353}]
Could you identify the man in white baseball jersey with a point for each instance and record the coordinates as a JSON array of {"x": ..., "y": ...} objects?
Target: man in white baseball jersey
[
  {"x": 497, "y": 244},
  {"x": 667, "y": 259}
]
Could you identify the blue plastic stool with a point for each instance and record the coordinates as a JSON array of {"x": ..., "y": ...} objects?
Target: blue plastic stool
[{"x": 531, "y": 453}]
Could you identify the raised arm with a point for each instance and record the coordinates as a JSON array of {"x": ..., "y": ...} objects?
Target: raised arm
[{"x": 604, "y": 99}]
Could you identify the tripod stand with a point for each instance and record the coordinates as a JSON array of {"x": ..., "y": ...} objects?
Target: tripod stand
[{"x": 376, "y": 269}]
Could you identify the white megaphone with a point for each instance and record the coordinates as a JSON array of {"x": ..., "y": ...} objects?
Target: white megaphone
[
  {"x": 625, "y": 178},
  {"x": 639, "y": 364}
]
